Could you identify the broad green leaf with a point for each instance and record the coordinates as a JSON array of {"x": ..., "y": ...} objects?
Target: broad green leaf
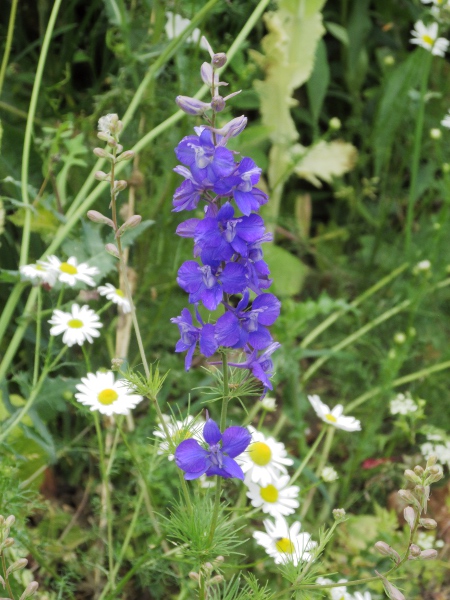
[
  {"x": 324, "y": 160},
  {"x": 287, "y": 270},
  {"x": 317, "y": 84}
]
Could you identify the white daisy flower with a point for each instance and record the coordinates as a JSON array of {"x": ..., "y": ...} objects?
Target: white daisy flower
[
  {"x": 283, "y": 543},
  {"x": 277, "y": 499},
  {"x": 175, "y": 26},
  {"x": 78, "y": 325},
  {"x": 334, "y": 417},
  {"x": 336, "y": 593},
  {"x": 38, "y": 273},
  {"x": 427, "y": 37},
  {"x": 116, "y": 295},
  {"x": 446, "y": 120},
  {"x": 100, "y": 392},
  {"x": 178, "y": 431},
  {"x": 264, "y": 459},
  {"x": 70, "y": 272},
  {"x": 402, "y": 404}
]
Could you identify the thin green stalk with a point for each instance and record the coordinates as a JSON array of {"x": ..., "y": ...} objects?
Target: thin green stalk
[
  {"x": 322, "y": 462},
  {"x": 29, "y": 130},
  {"x": 416, "y": 151},
  {"x": 308, "y": 457},
  {"x": 397, "y": 382},
  {"x": 38, "y": 337},
  {"x": 8, "y": 586},
  {"x": 354, "y": 336},
  {"x": 8, "y": 43},
  {"x": 356, "y": 302}
]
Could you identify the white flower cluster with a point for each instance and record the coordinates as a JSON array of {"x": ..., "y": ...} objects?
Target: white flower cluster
[
  {"x": 437, "y": 445},
  {"x": 402, "y": 404},
  {"x": 340, "y": 592}
]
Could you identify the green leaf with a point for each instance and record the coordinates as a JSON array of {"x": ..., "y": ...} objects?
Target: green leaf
[
  {"x": 287, "y": 270},
  {"x": 317, "y": 84}
]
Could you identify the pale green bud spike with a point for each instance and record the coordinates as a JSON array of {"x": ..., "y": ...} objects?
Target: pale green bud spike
[
  {"x": 29, "y": 590},
  {"x": 16, "y": 566}
]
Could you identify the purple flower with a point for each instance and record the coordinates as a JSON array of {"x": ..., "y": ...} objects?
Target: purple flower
[
  {"x": 241, "y": 184},
  {"x": 239, "y": 327},
  {"x": 261, "y": 366},
  {"x": 218, "y": 238},
  {"x": 208, "y": 163},
  {"x": 188, "y": 194},
  {"x": 190, "y": 335},
  {"x": 207, "y": 284},
  {"x": 217, "y": 458}
]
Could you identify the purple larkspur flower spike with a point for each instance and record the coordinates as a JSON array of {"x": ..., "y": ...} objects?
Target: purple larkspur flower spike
[
  {"x": 241, "y": 184},
  {"x": 261, "y": 366},
  {"x": 190, "y": 335},
  {"x": 217, "y": 458}
]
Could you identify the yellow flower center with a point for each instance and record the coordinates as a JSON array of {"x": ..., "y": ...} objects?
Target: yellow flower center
[
  {"x": 260, "y": 453},
  {"x": 120, "y": 293},
  {"x": 285, "y": 546},
  {"x": 427, "y": 39},
  {"x": 269, "y": 493},
  {"x": 69, "y": 269},
  {"x": 75, "y": 324},
  {"x": 107, "y": 396},
  {"x": 331, "y": 418},
  {"x": 180, "y": 435}
]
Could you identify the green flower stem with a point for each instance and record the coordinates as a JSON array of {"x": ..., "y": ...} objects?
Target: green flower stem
[
  {"x": 5, "y": 576},
  {"x": 8, "y": 43},
  {"x": 356, "y": 302},
  {"x": 38, "y": 337},
  {"x": 29, "y": 130},
  {"x": 84, "y": 200},
  {"x": 252, "y": 414},
  {"x": 416, "y": 150},
  {"x": 354, "y": 336},
  {"x": 397, "y": 382},
  {"x": 308, "y": 457},
  {"x": 322, "y": 462},
  {"x": 108, "y": 508},
  {"x": 33, "y": 395},
  {"x": 104, "y": 308}
]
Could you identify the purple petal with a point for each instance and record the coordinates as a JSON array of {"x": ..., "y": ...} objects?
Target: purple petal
[
  {"x": 191, "y": 458},
  {"x": 227, "y": 329},
  {"x": 211, "y": 432},
  {"x": 231, "y": 467},
  {"x": 208, "y": 344},
  {"x": 223, "y": 163},
  {"x": 188, "y": 357},
  {"x": 187, "y": 228},
  {"x": 235, "y": 440},
  {"x": 251, "y": 228},
  {"x": 244, "y": 200},
  {"x": 211, "y": 298},
  {"x": 186, "y": 197},
  {"x": 260, "y": 338},
  {"x": 269, "y": 307},
  {"x": 226, "y": 212},
  {"x": 189, "y": 276},
  {"x": 234, "y": 278}
]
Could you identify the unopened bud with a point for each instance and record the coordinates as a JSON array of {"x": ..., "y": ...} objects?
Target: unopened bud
[
  {"x": 29, "y": 590},
  {"x": 9, "y": 521},
  {"x": 116, "y": 364},
  {"x": 414, "y": 550},
  {"x": 334, "y": 124},
  {"x": 411, "y": 476},
  {"x": 129, "y": 224},
  {"x": 207, "y": 74},
  {"x": 219, "y": 559},
  {"x": 16, "y": 566},
  {"x": 101, "y": 153},
  {"x": 392, "y": 592},
  {"x": 429, "y": 554},
  {"x": 208, "y": 566},
  {"x": 102, "y": 176},
  {"x": 195, "y": 576},
  {"x": 7, "y": 543},
  {"x": 2, "y": 581},
  {"x": 418, "y": 470},
  {"x": 428, "y": 523},
  {"x": 338, "y": 514},
  {"x": 97, "y": 217},
  {"x": 105, "y": 137},
  {"x": 410, "y": 516},
  {"x": 435, "y": 474},
  {"x": 218, "y": 103},
  {"x": 386, "y": 550},
  {"x": 435, "y": 133},
  {"x": 216, "y": 579},
  {"x": 231, "y": 129},
  {"x": 120, "y": 185},
  {"x": 112, "y": 249},
  {"x": 127, "y": 155},
  {"x": 408, "y": 497},
  {"x": 219, "y": 60},
  {"x": 192, "y": 106}
]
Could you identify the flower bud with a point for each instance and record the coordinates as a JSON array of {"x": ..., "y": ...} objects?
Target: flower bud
[
  {"x": 7, "y": 543},
  {"x": 411, "y": 476},
  {"x": 120, "y": 185},
  {"x": 2, "y": 581},
  {"x": 435, "y": 474},
  {"x": 339, "y": 514},
  {"x": 391, "y": 591},
  {"x": 435, "y": 133},
  {"x": 216, "y": 579},
  {"x": 110, "y": 124},
  {"x": 129, "y": 224},
  {"x": 16, "y": 566},
  {"x": 410, "y": 516},
  {"x": 207, "y": 74},
  {"x": 195, "y": 576},
  {"x": 9, "y": 521},
  {"x": 386, "y": 550},
  {"x": 102, "y": 176},
  {"x": 428, "y": 523},
  {"x": 192, "y": 106},
  {"x": 400, "y": 338},
  {"x": 29, "y": 590},
  {"x": 102, "y": 153},
  {"x": 105, "y": 137},
  {"x": 208, "y": 566},
  {"x": 97, "y": 217},
  {"x": 418, "y": 470},
  {"x": 220, "y": 559},
  {"x": 127, "y": 155},
  {"x": 429, "y": 554},
  {"x": 409, "y": 497},
  {"x": 231, "y": 129},
  {"x": 414, "y": 550},
  {"x": 218, "y": 103},
  {"x": 111, "y": 249},
  {"x": 334, "y": 124},
  {"x": 219, "y": 60}
]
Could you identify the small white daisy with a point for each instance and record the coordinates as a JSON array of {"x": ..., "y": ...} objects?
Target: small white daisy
[
  {"x": 100, "y": 392},
  {"x": 70, "y": 272},
  {"x": 283, "y": 543},
  {"x": 334, "y": 417},
  {"x": 264, "y": 459},
  {"x": 78, "y": 325},
  {"x": 116, "y": 295},
  {"x": 446, "y": 120},
  {"x": 402, "y": 404},
  {"x": 38, "y": 273},
  {"x": 178, "y": 431},
  {"x": 277, "y": 499},
  {"x": 175, "y": 26},
  {"x": 336, "y": 593},
  {"x": 427, "y": 37}
]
